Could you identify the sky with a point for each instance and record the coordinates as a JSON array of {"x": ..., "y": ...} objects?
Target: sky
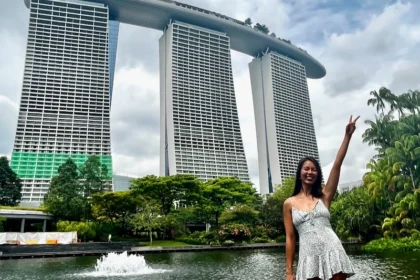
[{"x": 364, "y": 44}]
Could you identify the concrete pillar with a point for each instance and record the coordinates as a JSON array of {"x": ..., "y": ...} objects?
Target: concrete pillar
[
  {"x": 44, "y": 226},
  {"x": 22, "y": 225}
]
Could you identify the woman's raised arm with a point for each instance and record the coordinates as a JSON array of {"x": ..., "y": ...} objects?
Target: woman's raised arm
[{"x": 332, "y": 183}]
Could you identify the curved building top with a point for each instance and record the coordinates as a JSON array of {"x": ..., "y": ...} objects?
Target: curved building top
[{"x": 156, "y": 14}]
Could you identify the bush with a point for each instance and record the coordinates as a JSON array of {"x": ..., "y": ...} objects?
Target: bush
[
  {"x": 234, "y": 232},
  {"x": 190, "y": 240},
  {"x": 281, "y": 239},
  {"x": 259, "y": 240},
  {"x": 228, "y": 243},
  {"x": 393, "y": 245},
  {"x": 85, "y": 230}
]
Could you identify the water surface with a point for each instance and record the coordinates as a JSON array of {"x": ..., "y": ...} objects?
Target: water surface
[{"x": 244, "y": 265}]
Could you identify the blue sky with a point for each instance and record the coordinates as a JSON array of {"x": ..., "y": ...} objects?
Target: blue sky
[{"x": 363, "y": 44}]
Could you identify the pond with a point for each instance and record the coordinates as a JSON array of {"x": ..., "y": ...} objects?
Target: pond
[{"x": 244, "y": 265}]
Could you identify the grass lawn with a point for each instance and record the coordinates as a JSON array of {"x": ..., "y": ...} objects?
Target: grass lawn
[{"x": 164, "y": 243}]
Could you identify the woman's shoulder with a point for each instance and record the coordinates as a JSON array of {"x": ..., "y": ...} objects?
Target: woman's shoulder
[{"x": 288, "y": 202}]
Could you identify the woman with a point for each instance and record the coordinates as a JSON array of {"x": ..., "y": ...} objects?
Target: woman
[{"x": 321, "y": 254}]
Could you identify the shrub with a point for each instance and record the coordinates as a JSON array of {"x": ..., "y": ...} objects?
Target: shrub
[
  {"x": 259, "y": 240},
  {"x": 190, "y": 240},
  {"x": 228, "y": 243},
  {"x": 388, "y": 244},
  {"x": 85, "y": 230},
  {"x": 234, "y": 232}
]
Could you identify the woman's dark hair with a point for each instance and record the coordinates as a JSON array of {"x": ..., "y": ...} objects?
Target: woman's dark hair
[{"x": 316, "y": 189}]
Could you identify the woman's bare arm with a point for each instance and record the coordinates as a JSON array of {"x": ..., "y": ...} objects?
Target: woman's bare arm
[
  {"x": 332, "y": 183},
  {"x": 290, "y": 236}
]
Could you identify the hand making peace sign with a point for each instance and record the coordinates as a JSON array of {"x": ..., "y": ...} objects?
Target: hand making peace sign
[{"x": 351, "y": 126}]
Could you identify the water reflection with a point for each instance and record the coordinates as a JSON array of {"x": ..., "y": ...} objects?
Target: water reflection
[{"x": 245, "y": 265}]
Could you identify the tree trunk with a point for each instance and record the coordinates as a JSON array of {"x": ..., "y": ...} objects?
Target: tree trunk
[
  {"x": 151, "y": 240},
  {"x": 412, "y": 179}
]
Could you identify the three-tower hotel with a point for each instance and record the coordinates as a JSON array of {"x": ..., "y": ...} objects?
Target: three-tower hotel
[{"x": 68, "y": 81}]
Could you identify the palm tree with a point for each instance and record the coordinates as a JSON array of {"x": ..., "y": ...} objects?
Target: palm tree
[
  {"x": 411, "y": 101},
  {"x": 248, "y": 22},
  {"x": 380, "y": 133},
  {"x": 409, "y": 125},
  {"x": 405, "y": 157},
  {"x": 378, "y": 99},
  {"x": 262, "y": 27},
  {"x": 379, "y": 179}
]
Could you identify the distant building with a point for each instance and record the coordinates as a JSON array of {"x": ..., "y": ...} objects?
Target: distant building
[
  {"x": 283, "y": 117},
  {"x": 345, "y": 187},
  {"x": 65, "y": 104},
  {"x": 121, "y": 183},
  {"x": 200, "y": 131}
]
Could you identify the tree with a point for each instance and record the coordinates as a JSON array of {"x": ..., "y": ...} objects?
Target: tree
[
  {"x": 148, "y": 218},
  {"x": 393, "y": 178},
  {"x": 94, "y": 175},
  {"x": 379, "y": 98},
  {"x": 85, "y": 230},
  {"x": 248, "y": 22},
  {"x": 262, "y": 27},
  {"x": 182, "y": 188},
  {"x": 64, "y": 198},
  {"x": 272, "y": 211},
  {"x": 405, "y": 157},
  {"x": 355, "y": 216},
  {"x": 95, "y": 179},
  {"x": 240, "y": 214},
  {"x": 410, "y": 101},
  {"x": 10, "y": 184},
  {"x": 224, "y": 192},
  {"x": 380, "y": 133},
  {"x": 114, "y": 207},
  {"x": 273, "y": 35}
]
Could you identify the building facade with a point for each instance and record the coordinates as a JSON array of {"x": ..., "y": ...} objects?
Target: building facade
[
  {"x": 65, "y": 105},
  {"x": 283, "y": 117},
  {"x": 200, "y": 132},
  {"x": 121, "y": 183},
  {"x": 345, "y": 187}
]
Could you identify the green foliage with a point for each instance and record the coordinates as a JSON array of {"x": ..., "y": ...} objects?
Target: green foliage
[
  {"x": 94, "y": 176},
  {"x": 392, "y": 245},
  {"x": 10, "y": 184},
  {"x": 64, "y": 198},
  {"x": 393, "y": 179},
  {"x": 272, "y": 211},
  {"x": 223, "y": 192},
  {"x": 248, "y": 22},
  {"x": 262, "y": 28},
  {"x": 355, "y": 216},
  {"x": 242, "y": 214},
  {"x": 166, "y": 190},
  {"x": 70, "y": 192},
  {"x": 85, "y": 230},
  {"x": 115, "y": 208},
  {"x": 147, "y": 218},
  {"x": 234, "y": 232}
]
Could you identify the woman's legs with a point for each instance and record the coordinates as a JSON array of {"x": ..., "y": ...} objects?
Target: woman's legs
[{"x": 339, "y": 276}]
